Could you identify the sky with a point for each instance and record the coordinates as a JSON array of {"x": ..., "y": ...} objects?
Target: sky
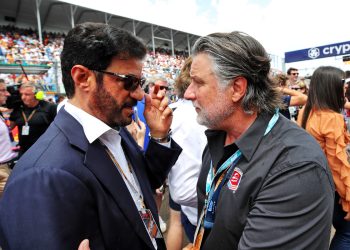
[{"x": 280, "y": 25}]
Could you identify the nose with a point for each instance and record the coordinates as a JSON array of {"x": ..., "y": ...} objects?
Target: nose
[
  {"x": 189, "y": 93},
  {"x": 137, "y": 93}
]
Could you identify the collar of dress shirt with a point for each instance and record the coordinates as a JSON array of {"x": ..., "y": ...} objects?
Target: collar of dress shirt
[{"x": 93, "y": 127}]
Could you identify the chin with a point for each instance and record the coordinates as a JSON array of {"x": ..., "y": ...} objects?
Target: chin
[{"x": 124, "y": 122}]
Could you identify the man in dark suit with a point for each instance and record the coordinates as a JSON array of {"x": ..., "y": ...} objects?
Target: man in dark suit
[{"x": 86, "y": 177}]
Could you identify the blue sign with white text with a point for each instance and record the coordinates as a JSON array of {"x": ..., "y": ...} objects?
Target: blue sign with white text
[{"x": 336, "y": 49}]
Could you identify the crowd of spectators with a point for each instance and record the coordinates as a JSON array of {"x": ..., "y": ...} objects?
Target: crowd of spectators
[{"x": 22, "y": 45}]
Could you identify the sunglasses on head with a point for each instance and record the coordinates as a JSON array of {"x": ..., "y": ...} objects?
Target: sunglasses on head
[
  {"x": 345, "y": 81},
  {"x": 131, "y": 82}
]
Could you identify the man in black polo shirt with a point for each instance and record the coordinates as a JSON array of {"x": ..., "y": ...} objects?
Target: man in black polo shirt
[
  {"x": 33, "y": 117},
  {"x": 264, "y": 182}
]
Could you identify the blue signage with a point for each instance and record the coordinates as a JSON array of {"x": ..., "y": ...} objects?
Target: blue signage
[{"x": 336, "y": 49}]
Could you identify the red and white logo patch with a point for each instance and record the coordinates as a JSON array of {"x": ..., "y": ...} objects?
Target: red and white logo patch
[{"x": 235, "y": 179}]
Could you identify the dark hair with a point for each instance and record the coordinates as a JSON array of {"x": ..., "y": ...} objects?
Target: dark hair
[
  {"x": 347, "y": 74},
  {"x": 238, "y": 54},
  {"x": 93, "y": 45},
  {"x": 326, "y": 91},
  {"x": 289, "y": 71},
  {"x": 183, "y": 80}
]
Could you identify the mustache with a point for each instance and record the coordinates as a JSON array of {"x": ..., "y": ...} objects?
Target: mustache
[{"x": 130, "y": 104}]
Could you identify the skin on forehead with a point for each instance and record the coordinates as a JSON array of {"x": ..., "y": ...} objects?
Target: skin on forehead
[{"x": 201, "y": 67}]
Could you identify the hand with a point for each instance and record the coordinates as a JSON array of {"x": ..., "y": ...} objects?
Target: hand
[
  {"x": 140, "y": 132},
  {"x": 347, "y": 217},
  {"x": 137, "y": 131},
  {"x": 2, "y": 109},
  {"x": 84, "y": 245},
  {"x": 188, "y": 247},
  {"x": 157, "y": 113}
]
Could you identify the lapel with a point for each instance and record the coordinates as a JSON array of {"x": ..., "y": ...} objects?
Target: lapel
[
  {"x": 99, "y": 163},
  {"x": 133, "y": 155}
]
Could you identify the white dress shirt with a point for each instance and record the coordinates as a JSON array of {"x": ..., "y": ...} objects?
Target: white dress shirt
[
  {"x": 96, "y": 129},
  {"x": 6, "y": 153},
  {"x": 184, "y": 174}
]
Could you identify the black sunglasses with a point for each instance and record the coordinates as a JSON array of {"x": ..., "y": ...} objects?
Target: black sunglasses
[
  {"x": 295, "y": 74},
  {"x": 164, "y": 87},
  {"x": 131, "y": 82}
]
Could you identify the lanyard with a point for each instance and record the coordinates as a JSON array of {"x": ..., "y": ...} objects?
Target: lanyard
[
  {"x": 131, "y": 185},
  {"x": 26, "y": 120},
  {"x": 207, "y": 217}
]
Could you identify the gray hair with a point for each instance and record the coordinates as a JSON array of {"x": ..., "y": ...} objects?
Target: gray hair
[
  {"x": 157, "y": 78},
  {"x": 238, "y": 54},
  {"x": 29, "y": 85}
]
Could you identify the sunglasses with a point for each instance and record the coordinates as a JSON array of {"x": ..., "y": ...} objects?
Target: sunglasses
[
  {"x": 164, "y": 87},
  {"x": 131, "y": 82},
  {"x": 295, "y": 74},
  {"x": 345, "y": 81}
]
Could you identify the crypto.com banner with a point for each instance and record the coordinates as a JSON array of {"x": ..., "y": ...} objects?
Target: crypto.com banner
[{"x": 336, "y": 49}]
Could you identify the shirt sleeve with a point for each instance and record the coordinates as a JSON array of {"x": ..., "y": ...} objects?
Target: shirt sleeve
[
  {"x": 286, "y": 100},
  {"x": 334, "y": 130}
]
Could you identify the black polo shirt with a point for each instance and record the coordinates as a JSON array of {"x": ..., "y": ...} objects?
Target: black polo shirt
[
  {"x": 45, "y": 113},
  {"x": 284, "y": 199}
]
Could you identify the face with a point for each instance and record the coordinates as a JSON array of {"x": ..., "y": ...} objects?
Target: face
[
  {"x": 3, "y": 93},
  {"x": 213, "y": 104},
  {"x": 109, "y": 101},
  {"x": 163, "y": 86},
  {"x": 28, "y": 97},
  {"x": 346, "y": 86},
  {"x": 294, "y": 75}
]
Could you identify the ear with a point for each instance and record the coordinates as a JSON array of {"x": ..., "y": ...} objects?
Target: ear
[
  {"x": 84, "y": 79},
  {"x": 239, "y": 88}
]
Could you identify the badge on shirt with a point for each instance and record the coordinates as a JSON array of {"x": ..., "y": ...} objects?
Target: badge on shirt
[
  {"x": 25, "y": 129},
  {"x": 150, "y": 223},
  {"x": 235, "y": 179}
]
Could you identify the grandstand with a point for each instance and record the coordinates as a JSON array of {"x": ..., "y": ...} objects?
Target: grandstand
[{"x": 32, "y": 35}]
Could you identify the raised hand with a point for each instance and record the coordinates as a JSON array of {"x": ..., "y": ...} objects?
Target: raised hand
[{"x": 157, "y": 113}]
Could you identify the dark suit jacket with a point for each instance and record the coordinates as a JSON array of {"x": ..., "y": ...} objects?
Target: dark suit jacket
[{"x": 64, "y": 190}]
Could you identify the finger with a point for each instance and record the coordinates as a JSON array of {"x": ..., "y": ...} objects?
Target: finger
[
  {"x": 155, "y": 91},
  {"x": 141, "y": 124},
  {"x": 148, "y": 104},
  {"x": 161, "y": 94},
  {"x": 84, "y": 245},
  {"x": 166, "y": 113},
  {"x": 164, "y": 103}
]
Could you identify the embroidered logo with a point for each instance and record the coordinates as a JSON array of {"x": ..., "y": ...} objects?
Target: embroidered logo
[{"x": 235, "y": 179}]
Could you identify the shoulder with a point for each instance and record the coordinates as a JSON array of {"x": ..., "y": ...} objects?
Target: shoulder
[
  {"x": 294, "y": 145},
  {"x": 326, "y": 121},
  {"x": 48, "y": 105}
]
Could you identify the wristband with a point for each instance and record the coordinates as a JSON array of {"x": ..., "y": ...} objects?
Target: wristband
[{"x": 161, "y": 139}]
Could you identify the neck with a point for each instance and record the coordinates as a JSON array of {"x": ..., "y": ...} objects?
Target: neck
[{"x": 242, "y": 122}]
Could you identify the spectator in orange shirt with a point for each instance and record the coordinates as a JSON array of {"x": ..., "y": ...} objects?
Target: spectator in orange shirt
[{"x": 322, "y": 118}]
